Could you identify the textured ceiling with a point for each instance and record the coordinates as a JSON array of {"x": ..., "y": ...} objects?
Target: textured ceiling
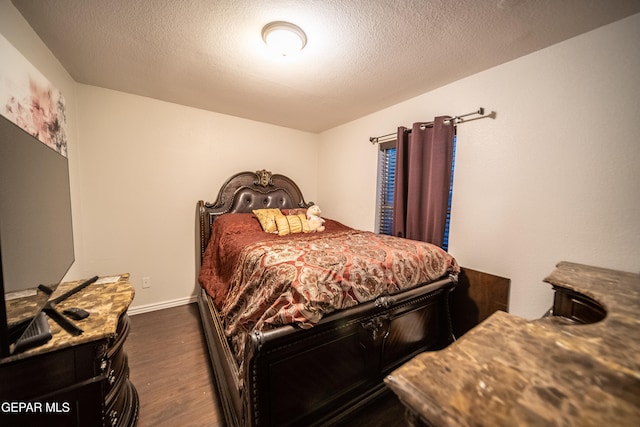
[{"x": 361, "y": 56}]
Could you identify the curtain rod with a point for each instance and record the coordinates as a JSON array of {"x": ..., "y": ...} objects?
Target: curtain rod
[{"x": 455, "y": 120}]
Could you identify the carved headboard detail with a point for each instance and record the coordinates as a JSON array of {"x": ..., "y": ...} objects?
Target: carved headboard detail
[{"x": 246, "y": 191}]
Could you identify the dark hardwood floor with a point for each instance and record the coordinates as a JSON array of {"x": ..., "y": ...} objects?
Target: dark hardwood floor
[
  {"x": 168, "y": 363},
  {"x": 170, "y": 368}
]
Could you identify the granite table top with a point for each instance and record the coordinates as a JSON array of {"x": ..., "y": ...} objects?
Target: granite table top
[
  {"x": 105, "y": 300},
  {"x": 509, "y": 371}
]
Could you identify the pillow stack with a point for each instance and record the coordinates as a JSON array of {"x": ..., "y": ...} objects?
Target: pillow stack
[{"x": 274, "y": 221}]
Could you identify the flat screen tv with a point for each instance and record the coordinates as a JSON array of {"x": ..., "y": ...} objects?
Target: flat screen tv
[{"x": 36, "y": 233}]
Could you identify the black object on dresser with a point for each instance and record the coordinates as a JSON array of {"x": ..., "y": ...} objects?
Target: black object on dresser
[{"x": 76, "y": 380}]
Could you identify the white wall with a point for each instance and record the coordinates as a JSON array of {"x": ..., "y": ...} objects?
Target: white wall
[
  {"x": 553, "y": 177},
  {"x": 138, "y": 166},
  {"x": 145, "y": 163},
  {"x": 18, "y": 32}
]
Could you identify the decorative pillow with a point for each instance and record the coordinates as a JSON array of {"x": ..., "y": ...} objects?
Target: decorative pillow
[
  {"x": 292, "y": 224},
  {"x": 294, "y": 211},
  {"x": 267, "y": 219}
]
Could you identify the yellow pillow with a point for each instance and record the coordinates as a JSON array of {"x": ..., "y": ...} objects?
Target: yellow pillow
[
  {"x": 267, "y": 219},
  {"x": 292, "y": 224}
]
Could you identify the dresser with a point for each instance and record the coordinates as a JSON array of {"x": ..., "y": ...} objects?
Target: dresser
[
  {"x": 75, "y": 380},
  {"x": 578, "y": 366}
]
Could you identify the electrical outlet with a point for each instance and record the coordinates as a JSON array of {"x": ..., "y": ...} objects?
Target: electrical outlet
[{"x": 146, "y": 282}]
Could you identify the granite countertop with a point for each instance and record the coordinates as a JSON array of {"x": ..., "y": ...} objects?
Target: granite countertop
[
  {"x": 105, "y": 301},
  {"x": 510, "y": 371}
]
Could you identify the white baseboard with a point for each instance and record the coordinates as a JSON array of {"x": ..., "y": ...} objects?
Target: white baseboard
[{"x": 161, "y": 305}]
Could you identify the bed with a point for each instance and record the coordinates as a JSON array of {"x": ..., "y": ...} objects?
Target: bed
[{"x": 302, "y": 328}]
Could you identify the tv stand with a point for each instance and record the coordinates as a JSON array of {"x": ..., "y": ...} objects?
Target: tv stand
[
  {"x": 34, "y": 334},
  {"x": 75, "y": 380}
]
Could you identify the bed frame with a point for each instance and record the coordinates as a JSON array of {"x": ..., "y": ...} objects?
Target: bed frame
[{"x": 343, "y": 359}]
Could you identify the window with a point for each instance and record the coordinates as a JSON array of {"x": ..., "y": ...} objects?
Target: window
[
  {"x": 445, "y": 241},
  {"x": 386, "y": 178}
]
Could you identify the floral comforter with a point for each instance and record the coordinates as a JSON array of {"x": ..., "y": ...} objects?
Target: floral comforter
[{"x": 259, "y": 280}]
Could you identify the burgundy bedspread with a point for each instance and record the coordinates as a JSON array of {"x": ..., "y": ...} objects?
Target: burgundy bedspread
[{"x": 259, "y": 280}]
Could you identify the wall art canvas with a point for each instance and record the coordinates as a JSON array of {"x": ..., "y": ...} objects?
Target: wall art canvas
[{"x": 29, "y": 100}]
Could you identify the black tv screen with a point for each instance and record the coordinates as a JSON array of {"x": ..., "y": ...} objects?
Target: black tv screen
[{"x": 36, "y": 233}]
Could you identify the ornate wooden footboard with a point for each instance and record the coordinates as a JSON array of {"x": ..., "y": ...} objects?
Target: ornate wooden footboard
[
  {"x": 322, "y": 375},
  {"x": 325, "y": 374}
]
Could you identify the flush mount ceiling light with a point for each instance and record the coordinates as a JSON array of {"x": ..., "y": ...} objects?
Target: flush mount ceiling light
[{"x": 284, "y": 38}]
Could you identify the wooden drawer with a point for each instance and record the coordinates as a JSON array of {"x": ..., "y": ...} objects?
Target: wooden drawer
[
  {"x": 44, "y": 375},
  {"x": 575, "y": 307}
]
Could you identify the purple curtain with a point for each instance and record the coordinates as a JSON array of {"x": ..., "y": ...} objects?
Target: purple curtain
[{"x": 423, "y": 177}]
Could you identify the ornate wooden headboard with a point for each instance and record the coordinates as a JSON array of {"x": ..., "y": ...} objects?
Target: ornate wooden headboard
[{"x": 246, "y": 191}]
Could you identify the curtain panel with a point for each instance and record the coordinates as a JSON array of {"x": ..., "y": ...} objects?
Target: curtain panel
[{"x": 423, "y": 176}]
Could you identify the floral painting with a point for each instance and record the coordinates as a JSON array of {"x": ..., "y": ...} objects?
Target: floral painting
[{"x": 29, "y": 100}]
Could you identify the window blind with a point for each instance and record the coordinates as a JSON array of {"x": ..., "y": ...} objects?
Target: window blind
[
  {"x": 386, "y": 182},
  {"x": 445, "y": 241}
]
